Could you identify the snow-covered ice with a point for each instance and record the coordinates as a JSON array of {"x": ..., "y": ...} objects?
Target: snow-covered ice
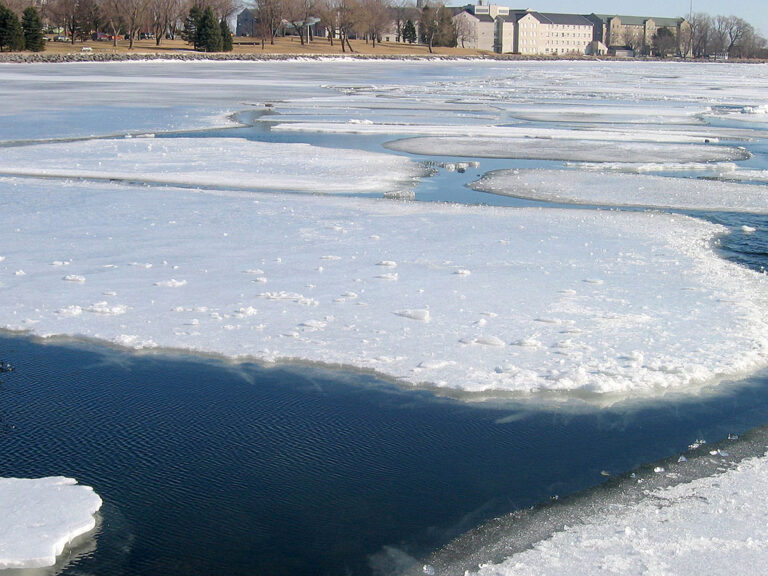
[
  {"x": 557, "y": 301},
  {"x": 619, "y": 189},
  {"x": 220, "y": 162},
  {"x": 567, "y": 149},
  {"x": 712, "y": 525},
  {"x": 40, "y": 517}
]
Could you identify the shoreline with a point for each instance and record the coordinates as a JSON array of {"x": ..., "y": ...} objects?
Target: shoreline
[{"x": 190, "y": 56}]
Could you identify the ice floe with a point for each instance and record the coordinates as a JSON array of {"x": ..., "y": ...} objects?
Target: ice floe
[
  {"x": 239, "y": 163},
  {"x": 571, "y": 150},
  {"x": 40, "y": 517},
  {"x": 712, "y": 525},
  {"x": 557, "y": 301},
  {"x": 619, "y": 189}
]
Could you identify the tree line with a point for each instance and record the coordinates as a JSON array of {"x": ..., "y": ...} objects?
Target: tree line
[{"x": 204, "y": 24}]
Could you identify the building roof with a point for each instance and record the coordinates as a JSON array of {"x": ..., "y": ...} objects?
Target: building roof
[
  {"x": 479, "y": 17},
  {"x": 640, "y": 20},
  {"x": 568, "y": 19},
  {"x": 563, "y": 19}
]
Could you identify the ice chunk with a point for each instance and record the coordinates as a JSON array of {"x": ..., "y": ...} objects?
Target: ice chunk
[
  {"x": 40, "y": 517},
  {"x": 625, "y": 190}
]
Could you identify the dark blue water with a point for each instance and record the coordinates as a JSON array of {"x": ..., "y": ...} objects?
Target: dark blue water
[{"x": 210, "y": 468}]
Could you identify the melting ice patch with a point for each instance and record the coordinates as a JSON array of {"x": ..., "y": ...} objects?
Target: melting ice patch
[
  {"x": 572, "y": 150},
  {"x": 40, "y": 517},
  {"x": 588, "y": 302},
  {"x": 239, "y": 163},
  {"x": 617, "y": 189}
]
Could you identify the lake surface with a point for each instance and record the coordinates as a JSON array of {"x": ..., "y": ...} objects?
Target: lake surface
[{"x": 207, "y": 467}]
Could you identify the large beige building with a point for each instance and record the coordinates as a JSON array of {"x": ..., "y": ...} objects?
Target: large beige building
[
  {"x": 536, "y": 33},
  {"x": 633, "y": 31}
]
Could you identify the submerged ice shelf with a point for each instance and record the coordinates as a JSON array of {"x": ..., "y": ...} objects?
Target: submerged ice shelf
[
  {"x": 464, "y": 298},
  {"x": 40, "y": 517}
]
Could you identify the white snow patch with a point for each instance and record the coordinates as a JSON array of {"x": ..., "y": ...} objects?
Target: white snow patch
[
  {"x": 713, "y": 525},
  {"x": 40, "y": 517},
  {"x": 74, "y": 278}
]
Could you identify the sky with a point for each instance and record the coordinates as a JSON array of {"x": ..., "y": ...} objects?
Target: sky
[{"x": 753, "y": 11}]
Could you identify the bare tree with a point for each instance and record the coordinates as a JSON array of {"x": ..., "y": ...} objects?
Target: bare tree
[
  {"x": 164, "y": 16},
  {"x": 126, "y": 15},
  {"x": 298, "y": 13},
  {"x": 327, "y": 12},
  {"x": 465, "y": 30},
  {"x": 634, "y": 38},
  {"x": 700, "y": 33},
  {"x": 374, "y": 18},
  {"x": 269, "y": 16}
]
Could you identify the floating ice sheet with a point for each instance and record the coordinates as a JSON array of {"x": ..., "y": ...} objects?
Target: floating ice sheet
[
  {"x": 571, "y": 150},
  {"x": 617, "y": 189},
  {"x": 489, "y": 132},
  {"x": 466, "y": 298},
  {"x": 713, "y": 525},
  {"x": 40, "y": 517},
  {"x": 217, "y": 162}
]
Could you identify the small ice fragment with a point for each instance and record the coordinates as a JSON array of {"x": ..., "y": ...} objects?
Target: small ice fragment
[
  {"x": 390, "y": 276},
  {"x": 604, "y": 473},
  {"x": 420, "y": 315},
  {"x": 682, "y": 459},
  {"x": 74, "y": 278},
  {"x": 254, "y": 271},
  {"x": 733, "y": 436},
  {"x": 20, "y": 273},
  {"x": 387, "y": 264},
  {"x": 172, "y": 283},
  {"x": 658, "y": 469},
  {"x": 593, "y": 281},
  {"x": 490, "y": 341},
  {"x": 428, "y": 569},
  {"x": 748, "y": 229},
  {"x": 61, "y": 262},
  {"x": 70, "y": 311},
  {"x": 462, "y": 272}
]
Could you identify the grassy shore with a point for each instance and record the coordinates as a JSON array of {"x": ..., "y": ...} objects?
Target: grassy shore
[{"x": 282, "y": 46}]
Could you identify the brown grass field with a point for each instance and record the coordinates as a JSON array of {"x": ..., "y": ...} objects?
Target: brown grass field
[{"x": 288, "y": 46}]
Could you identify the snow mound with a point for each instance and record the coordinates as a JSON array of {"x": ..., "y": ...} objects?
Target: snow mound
[
  {"x": 40, "y": 517},
  {"x": 240, "y": 164},
  {"x": 617, "y": 189}
]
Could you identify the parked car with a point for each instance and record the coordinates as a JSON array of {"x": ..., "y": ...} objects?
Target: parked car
[{"x": 60, "y": 39}]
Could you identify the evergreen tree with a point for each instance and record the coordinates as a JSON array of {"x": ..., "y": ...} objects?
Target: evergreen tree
[
  {"x": 192, "y": 25},
  {"x": 209, "y": 32},
  {"x": 14, "y": 33},
  {"x": 409, "y": 32},
  {"x": 33, "y": 30},
  {"x": 226, "y": 36},
  {"x": 11, "y": 32}
]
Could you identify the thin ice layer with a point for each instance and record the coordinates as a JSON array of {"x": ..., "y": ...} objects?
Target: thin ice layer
[
  {"x": 40, "y": 517},
  {"x": 465, "y": 298},
  {"x": 713, "y": 525},
  {"x": 571, "y": 150},
  {"x": 216, "y": 162},
  {"x": 618, "y": 189}
]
